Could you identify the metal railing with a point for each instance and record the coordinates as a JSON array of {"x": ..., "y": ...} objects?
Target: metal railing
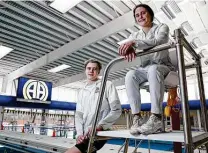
[{"x": 180, "y": 42}]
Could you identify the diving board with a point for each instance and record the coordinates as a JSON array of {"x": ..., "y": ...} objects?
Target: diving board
[{"x": 174, "y": 136}]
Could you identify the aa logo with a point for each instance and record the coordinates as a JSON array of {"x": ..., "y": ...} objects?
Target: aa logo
[{"x": 34, "y": 89}]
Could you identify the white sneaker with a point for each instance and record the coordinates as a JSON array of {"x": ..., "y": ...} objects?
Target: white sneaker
[
  {"x": 153, "y": 125},
  {"x": 137, "y": 122}
]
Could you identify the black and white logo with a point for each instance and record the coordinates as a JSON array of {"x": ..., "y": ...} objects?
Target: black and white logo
[{"x": 34, "y": 89}]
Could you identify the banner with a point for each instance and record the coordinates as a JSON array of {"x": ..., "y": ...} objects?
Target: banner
[{"x": 36, "y": 91}]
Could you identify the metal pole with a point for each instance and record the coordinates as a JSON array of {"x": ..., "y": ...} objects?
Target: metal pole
[
  {"x": 103, "y": 84},
  {"x": 127, "y": 120},
  {"x": 126, "y": 146},
  {"x": 121, "y": 147},
  {"x": 2, "y": 117},
  {"x": 202, "y": 98},
  {"x": 184, "y": 93},
  {"x": 148, "y": 146},
  {"x": 163, "y": 121},
  {"x": 199, "y": 119},
  {"x": 137, "y": 146}
]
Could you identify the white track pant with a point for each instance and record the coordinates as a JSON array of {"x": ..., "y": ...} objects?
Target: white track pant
[{"x": 155, "y": 75}]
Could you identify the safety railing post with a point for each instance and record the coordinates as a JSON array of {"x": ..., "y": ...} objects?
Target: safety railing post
[
  {"x": 184, "y": 92},
  {"x": 202, "y": 98}
]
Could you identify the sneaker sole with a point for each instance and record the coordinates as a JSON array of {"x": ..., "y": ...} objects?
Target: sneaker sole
[
  {"x": 134, "y": 132},
  {"x": 154, "y": 131}
]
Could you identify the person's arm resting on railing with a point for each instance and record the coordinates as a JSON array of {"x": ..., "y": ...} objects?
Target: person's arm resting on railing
[{"x": 160, "y": 38}]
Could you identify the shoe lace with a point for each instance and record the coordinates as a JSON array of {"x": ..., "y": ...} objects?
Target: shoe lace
[{"x": 152, "y": 119}]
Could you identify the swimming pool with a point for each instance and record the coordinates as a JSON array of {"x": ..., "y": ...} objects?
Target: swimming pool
[{"x": 9, "y": 148}]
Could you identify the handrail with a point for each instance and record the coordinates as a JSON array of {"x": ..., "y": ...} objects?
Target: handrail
[
  {"x": 104, "y": 79},
  {"x": 180, "y": 41},
  {"x": 183, "y": 91}
]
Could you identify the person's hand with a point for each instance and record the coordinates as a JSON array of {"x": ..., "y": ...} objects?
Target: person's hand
[
  {"x": 80, "y": 139},
  {"x": 123, "y": 49},
  {"x": 88, "y": 134},
  {"x": 130, "y": 55}
]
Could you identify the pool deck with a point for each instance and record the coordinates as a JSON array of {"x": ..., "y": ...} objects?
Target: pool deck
[{"x": 58, "y": 144}]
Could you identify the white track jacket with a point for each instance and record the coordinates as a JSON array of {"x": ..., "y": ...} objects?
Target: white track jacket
[
  {"x": 157, "y": 35},
  {"x": 86, "y": 106}
]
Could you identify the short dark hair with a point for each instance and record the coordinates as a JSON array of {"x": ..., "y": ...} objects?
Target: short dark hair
[
  {"x": 92, "y": 60},
  {"x": 147, "y": 8}
]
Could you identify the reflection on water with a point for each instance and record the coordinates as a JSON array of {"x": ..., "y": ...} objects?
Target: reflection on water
[
  {"x": 8, "y": 148},
  {"x": 59, "y": 131},
  {"x": 51, "y": 131}
]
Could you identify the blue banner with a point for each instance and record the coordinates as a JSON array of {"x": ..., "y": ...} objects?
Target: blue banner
[{"x": 30, "y": 90}]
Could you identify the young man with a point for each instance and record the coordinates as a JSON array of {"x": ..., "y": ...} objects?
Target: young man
[{"x": 86, "y": 106}]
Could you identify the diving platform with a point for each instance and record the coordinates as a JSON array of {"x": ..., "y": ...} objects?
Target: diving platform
[
  {"x": 199, "y": 138},
  {"x": 60, "y": 145},
  {"x": 173, "y": 136}
]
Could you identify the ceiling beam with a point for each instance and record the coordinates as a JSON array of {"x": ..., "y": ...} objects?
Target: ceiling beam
[{"x": 95, "y": 35}]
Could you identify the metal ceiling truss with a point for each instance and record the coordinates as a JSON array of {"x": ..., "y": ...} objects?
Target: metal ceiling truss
[{"x": 43, "y": 38}]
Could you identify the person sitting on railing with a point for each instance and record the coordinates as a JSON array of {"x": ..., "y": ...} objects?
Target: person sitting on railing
[
  {"x": 86, "y": 108},
  {"x": 154, "y": 67}
]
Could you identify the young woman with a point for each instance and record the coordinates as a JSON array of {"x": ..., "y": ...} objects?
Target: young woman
[{"x": 153, "y": 69}]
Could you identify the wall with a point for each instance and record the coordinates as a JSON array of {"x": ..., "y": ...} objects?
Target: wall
[
  {"x": 64, "y": 94},
  {"x": 70, "y": 94}
]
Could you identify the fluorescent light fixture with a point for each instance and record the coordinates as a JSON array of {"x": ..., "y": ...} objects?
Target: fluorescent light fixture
[
  {"x": 171, "y": 8},
  {"x": 59, "y": 68},
  {"x": 186, "y": 28},
  {"x": 4, "y": 51},
  {"x": 64, "y": 5},
  {"x": 172, "y": 5},
  {"x": 202, "y": 53},
  {"x": 168, "y": 12},
  {"x": 195, "y": 43},
  {"x": 184, "y": 31}
]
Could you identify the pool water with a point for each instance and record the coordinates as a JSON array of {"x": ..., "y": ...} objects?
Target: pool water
[
  {"x": 156, "y": 145},
  {"x": 8, "y": 148}
]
